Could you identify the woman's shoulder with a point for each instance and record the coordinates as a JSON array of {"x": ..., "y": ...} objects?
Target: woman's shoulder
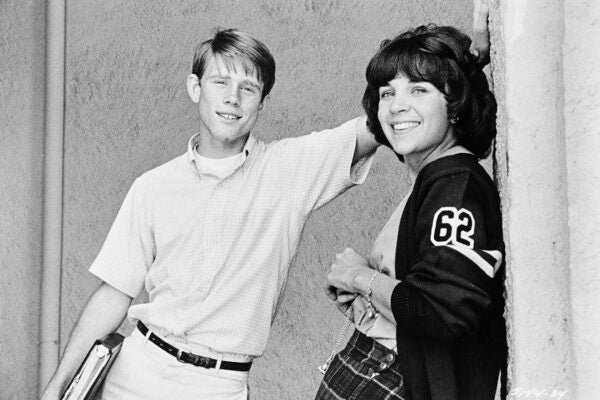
[{"x": 451, "y": 167}]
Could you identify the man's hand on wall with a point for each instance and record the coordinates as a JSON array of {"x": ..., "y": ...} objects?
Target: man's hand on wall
[{"x": 480, "y": 47}]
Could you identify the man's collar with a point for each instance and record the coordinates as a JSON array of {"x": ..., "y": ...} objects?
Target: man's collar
[{"x": 194, "y": 141}]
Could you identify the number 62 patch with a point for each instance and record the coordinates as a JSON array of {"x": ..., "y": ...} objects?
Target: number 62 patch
[{"x": 453, "y": 226}]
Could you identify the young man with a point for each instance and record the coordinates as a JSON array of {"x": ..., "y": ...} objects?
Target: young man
[{"x": 210, "y": 235}]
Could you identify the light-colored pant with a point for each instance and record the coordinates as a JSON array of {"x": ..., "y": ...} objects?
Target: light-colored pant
[{"x": 144, "y": 371}]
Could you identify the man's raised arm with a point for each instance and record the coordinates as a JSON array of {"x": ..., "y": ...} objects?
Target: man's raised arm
[{"x": 365, "y": 140}]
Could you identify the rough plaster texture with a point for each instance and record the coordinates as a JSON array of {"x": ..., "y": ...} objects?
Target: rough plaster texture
[
  {"x": 582, "y": 121},
  {"x": 127, "y": 111},
  {"x": 528, "y": 76},
  {"x": 22, "y": 46}
]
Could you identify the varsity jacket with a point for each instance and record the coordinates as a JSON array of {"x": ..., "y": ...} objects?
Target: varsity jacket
[{"x": 449, "y": 304}]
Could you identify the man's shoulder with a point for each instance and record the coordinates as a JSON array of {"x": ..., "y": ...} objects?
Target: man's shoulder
[{"x": 167, "y": 170}]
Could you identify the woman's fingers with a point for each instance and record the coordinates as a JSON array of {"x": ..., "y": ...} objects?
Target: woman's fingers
[{"x": 345, "y": 297}]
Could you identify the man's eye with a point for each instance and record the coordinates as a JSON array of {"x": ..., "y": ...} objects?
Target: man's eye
[{"x": 418, "y": 90}]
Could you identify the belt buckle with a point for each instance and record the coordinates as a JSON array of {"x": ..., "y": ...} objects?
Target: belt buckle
[{"x": 194, "y": 359}]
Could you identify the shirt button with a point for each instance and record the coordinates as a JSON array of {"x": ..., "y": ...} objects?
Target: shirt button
[
  {"x": 390, "y": 357},
  {"x": 383, "y": 366}
]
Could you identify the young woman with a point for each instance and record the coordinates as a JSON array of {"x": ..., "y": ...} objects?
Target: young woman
[{"x": 428, "y": 301}]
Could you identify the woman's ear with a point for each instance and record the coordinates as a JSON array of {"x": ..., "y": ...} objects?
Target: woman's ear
[{"x": 193, "y": 87}]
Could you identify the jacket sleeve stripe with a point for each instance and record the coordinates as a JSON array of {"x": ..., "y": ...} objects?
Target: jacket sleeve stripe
[
  {"x": 497, "y": 256},
  {"x": 488, "y": 262}
]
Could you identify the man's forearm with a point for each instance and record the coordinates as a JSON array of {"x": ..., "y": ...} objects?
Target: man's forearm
[
  {"x": 365, "y": 140},
  {"x": 103, "y": 314}
]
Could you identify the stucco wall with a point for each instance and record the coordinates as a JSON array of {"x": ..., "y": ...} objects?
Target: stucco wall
[
  {"x": 22, "y": 47},
  {"x": 528, "y": 77},
  {"x": 127, "y": 111},
  {"x": 582, "y": 123}
]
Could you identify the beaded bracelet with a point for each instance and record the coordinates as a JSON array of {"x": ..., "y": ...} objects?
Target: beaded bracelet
[{"x": 372, "y": 310}]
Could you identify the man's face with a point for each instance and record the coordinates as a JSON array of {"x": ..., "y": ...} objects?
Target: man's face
[{"x": 229, "y": 101}]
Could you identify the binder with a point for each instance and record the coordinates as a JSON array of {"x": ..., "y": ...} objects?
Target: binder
[{"x": 92, "y": 371}]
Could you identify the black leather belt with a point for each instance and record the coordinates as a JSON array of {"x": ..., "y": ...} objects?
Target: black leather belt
[{"x": 191, "y": 358}]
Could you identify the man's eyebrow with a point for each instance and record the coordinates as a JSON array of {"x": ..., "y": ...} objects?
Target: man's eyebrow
[
  {"x": 219, "y": 76},
  {"x": 252, "y": 83}
]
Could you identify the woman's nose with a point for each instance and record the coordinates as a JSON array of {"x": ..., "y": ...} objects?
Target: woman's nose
[{"x": 398, "y": 104}]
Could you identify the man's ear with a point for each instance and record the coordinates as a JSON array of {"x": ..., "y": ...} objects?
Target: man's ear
[
  {"x": 193, "y": 87},
  {"x": 264, "y": 102}
]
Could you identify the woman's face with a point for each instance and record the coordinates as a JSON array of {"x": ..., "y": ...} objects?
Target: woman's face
[{"x": 414, "y": 118}]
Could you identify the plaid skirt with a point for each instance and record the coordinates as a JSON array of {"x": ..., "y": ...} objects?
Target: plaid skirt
[{"x": 365, "y": 369}]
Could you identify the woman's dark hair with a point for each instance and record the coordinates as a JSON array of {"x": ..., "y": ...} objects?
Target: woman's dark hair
[{"x": 438, "y": 55}]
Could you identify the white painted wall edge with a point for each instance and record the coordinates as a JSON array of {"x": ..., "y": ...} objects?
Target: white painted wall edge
[
  {"x": 53, "y": 189},
  {"x": 531, "y": 103}
]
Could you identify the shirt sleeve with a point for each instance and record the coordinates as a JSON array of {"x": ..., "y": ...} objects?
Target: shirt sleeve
[
  {"x": 129, "y": 249},
  {"x": 451, "y": 287},
  {"x": 316, "y": 168}
]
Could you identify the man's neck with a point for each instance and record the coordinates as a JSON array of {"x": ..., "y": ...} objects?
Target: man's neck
[{"x": 220, "y": 150}]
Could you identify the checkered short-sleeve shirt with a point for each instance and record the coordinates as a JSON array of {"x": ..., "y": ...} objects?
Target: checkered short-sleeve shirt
[{"x": 213, "y": 254}]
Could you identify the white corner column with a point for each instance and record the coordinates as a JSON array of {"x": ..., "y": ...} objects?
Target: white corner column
[{"x": 527, "y": 68}]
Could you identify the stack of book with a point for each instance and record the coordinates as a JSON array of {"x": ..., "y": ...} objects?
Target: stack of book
[{"x": 93, "y": 369}]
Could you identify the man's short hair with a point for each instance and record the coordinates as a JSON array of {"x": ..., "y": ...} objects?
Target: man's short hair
[{"x": 234, "y": 46}]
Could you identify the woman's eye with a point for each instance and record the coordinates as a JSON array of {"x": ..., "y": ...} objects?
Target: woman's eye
[
  {"x": 248, "y": 89},
  {"x": 418, "y": 90},
  {"x": 386, "y": 93}
]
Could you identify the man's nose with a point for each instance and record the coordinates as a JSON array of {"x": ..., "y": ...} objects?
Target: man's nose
[{"x": 233, "y": 97}]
